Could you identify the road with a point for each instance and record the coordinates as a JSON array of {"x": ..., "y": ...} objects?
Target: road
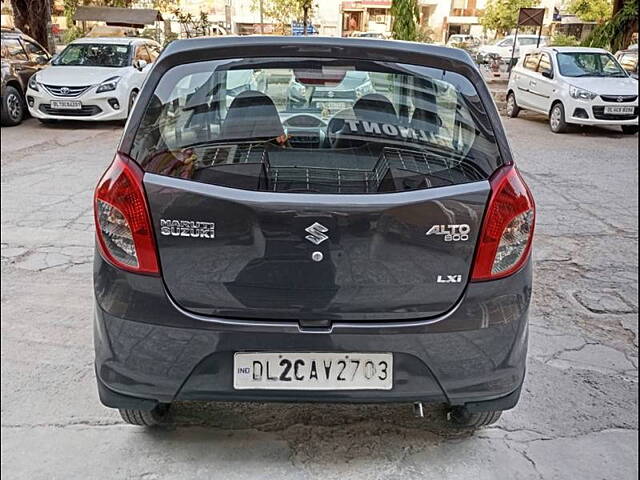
[{"x": 578, "y": 413}]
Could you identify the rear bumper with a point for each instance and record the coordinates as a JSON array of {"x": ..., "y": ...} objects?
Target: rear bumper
[{"x": 149, "y": 350}]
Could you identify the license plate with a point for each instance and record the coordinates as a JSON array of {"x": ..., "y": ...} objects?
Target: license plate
[
  {"x": 312, "y": 371},
  {"x": 619, "y": 110},
  {"x": 332, "y": 105},
  {"x": 66, "y": 104}
]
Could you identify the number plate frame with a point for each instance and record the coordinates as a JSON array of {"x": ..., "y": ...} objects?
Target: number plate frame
[
  {"x": 66, "y": 104},
  {"x": 618, "y": 110},
  {"x": 271, "y": 374}
]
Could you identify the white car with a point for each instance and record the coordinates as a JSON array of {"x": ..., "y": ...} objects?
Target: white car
[
  {"x": 92, "y": 79},
  {"x": 504, "y": 47},
  {"x": 458, "y": 39},
  {"x": 574, "y": 85}
]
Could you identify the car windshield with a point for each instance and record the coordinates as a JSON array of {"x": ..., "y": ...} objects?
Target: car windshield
[
  {"x": 94, "y": 55},
  {"x": 315, "y": 125},
  {"x": 589, "y": 64}
]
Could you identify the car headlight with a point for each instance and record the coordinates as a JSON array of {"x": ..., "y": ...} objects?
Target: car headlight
[
  {"x": 581, "y": 93},
  {"x": 33, "y": 83},
  {"x": 366, "y": 87},
  {"x": 108, "y": 85}
]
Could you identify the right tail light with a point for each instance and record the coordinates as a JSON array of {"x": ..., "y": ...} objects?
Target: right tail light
[{"x": 507, "y": 230}]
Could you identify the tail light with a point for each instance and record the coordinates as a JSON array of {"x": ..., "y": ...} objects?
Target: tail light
[
  {"x": 507, "y": 230},
  {"x": 123, "y": 225}
]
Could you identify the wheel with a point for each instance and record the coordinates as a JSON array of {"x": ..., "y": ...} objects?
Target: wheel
[
  {"x": 460, "y": 417},
  {"x": 557, "y": 119},
  {"x": 629, "y": 129},
  {"x": 12, "y": 107},
  {"x": 512, "y": 107},
  {"x": 145, "y": 418}
]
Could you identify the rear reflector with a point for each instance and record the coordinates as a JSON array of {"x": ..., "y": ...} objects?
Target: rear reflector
[
  {"x": 121, "y": 213},
  {"x": 507, "y": 230}
]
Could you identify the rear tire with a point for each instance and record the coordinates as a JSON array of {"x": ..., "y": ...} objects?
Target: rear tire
[
  {"x": 145, "y": 418},
  {"x": 460, "y": 417},
  {"x": 629, "y": 129},
  {"x": 557, "y": 121},
  {"x": 512, "y": 106},
  {"x": 13, "y": 107}
]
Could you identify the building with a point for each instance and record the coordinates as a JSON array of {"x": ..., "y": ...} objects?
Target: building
[{"x": 365, "y": 16}]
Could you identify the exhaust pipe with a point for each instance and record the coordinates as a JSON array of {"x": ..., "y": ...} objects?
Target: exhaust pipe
[{"x": 417, "y": 410}]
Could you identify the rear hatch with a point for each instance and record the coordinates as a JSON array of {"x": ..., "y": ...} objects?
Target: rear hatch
[{"x": 376, "y": 221}]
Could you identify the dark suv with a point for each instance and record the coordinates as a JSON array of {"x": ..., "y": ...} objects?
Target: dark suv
[
  {"x": 250, "y": 251},
  {"x": 22, "y": 56}
]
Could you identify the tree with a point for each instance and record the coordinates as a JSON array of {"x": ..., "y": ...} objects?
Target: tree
[
  {"x": 502, "y": 15},
  {"x": 591, "y": 10},
  {"x": 33, "y": 17},
  {"x": 617, "y": 32},
  {"x": 406, "y": 17},
  {"x": 283, "y": 11}
]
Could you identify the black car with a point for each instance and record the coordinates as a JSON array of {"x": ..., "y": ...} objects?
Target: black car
[
  {"x": 22, "y": 56},
  {"x": 250, "y": 252}
]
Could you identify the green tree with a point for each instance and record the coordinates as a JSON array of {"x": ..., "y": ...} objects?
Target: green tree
[
  {"x": 616, "y": 33},
  {"x": 591, "y": 10},
  {"x": 502, "y": 15},
  {"x": 406, "y": 17},
  {"x": 283, "y": 12}
]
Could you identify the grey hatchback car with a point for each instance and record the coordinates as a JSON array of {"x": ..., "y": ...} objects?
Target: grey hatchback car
[{"x": 250, "y": 251}]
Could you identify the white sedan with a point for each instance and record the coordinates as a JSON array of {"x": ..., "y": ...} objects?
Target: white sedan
[{"x": 92, "y": 79}]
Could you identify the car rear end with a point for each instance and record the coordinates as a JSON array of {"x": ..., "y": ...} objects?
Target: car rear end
[{"x": 388, "y": 259}]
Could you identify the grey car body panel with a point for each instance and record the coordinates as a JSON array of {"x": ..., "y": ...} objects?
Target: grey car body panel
[
  {"x": 378, "y": 262},
  {"x": 148, "y": 347}
]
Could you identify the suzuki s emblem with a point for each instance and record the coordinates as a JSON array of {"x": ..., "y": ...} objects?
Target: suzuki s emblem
[
  {"x": 64, "y": 91},
  {"x": 620, "y": 99},
  {"x": 316, "y": 233},
  {"x": 330, "y": 94}
]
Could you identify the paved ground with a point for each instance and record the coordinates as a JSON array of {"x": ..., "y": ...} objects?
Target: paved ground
[{"x": 577, "y": 417}]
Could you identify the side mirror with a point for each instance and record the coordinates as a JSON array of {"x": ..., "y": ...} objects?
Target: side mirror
[
  {"x": 547, "y": 74},
  {"x": 41, "y": 60},
  {"x": 139, "y": 64}
]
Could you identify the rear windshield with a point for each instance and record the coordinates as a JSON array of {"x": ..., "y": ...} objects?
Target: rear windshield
[
  {"x": 316, "y": 126},
  {"x": 94, "y": 55}
]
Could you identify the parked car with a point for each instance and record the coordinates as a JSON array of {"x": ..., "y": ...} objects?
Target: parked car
[
  {"x": 504, "y": 47},
  {"x": 459, "y": 39},
  {"x": 629, "y": 60},
  {"x": 92, "y": 79},
  {"x": 390, "y": 263},
  {"x": 378, "y": 35},
  {"x": 574, "y": 86},
  {"x": 331, "y": 97},
  {"x": 22, "y": 56}
]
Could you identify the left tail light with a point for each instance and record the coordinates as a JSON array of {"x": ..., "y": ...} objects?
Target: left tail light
[{"x": 123, "y": 223}]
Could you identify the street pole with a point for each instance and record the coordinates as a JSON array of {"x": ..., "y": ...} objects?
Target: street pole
[{"x": 261, "y": 18}]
